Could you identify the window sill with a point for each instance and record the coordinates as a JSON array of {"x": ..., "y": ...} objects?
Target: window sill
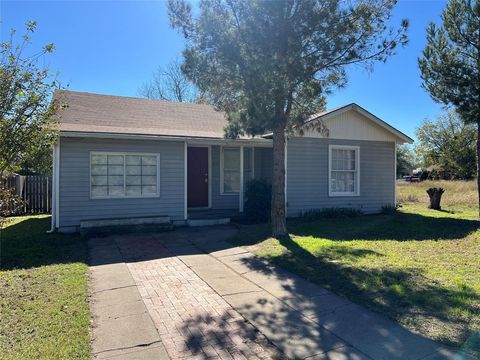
[
  {"x": 124, "y": 197},
  {"x": 343, "y": 194}
]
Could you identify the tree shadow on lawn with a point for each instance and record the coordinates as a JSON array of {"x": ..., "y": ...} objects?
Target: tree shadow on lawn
[
  {"x": 400, "y": 227},
  {"x": 446, "y": 314},
  {"x": 26, "y": 245}
]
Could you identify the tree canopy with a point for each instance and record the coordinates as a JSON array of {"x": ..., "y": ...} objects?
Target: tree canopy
[
  {"x": 406, "y": 160},
  {"x": 450, "y": 66},
  {"x": 27, "y": 121},
  {"x": 270, "y": 64},
  {"x": 448, "y": 144}
]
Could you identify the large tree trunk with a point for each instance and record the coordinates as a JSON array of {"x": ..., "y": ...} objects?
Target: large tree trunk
[
  {"x": 478, "y": 166},
  {"x": 279, "y": 224}
]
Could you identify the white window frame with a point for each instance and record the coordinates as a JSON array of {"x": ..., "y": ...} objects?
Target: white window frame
[
  {"x": 92, "y": 197},
  {"x": 252, "y": 164},
  {"x": 222, "y": 175},
  {"x": 357, "y": 170}
]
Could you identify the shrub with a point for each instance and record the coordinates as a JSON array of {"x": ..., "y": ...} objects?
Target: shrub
[
  {"x": 258, "y": 196},
  {"x": 389, "y": 209},
  {"x": 332, "y": 213},
  {"x": 424, "y": 175}
]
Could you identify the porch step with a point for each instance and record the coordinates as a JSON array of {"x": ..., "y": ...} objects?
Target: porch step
[
  {"x": 130, "y": 221},
  {"x": 207, "y": 222},
  {"x": 126, "y": 225}
]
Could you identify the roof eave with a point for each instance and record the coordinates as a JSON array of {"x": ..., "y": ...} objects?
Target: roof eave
[{"x": 113, "y": 135}]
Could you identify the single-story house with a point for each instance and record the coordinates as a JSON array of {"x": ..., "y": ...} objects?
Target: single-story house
[{"x": 127, "y": 158}]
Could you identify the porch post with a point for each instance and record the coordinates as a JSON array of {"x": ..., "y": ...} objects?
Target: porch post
[
  {"x": 240, "y": 195},
  {"x": 185, "y": 170}
]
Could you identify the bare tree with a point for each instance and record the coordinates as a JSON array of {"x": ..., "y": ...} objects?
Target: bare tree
[{"x": 169, "y": 83}]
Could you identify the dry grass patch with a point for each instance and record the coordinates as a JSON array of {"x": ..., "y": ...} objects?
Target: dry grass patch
[{"x": 458, "y": 196}]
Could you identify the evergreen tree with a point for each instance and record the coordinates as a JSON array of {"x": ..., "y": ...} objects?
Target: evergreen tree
[
  {"x": 269, "y": 64},
  {"x": 450, "y": 66}
]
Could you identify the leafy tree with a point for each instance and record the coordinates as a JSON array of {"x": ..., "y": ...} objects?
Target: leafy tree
[
  {"x": 36, "y": 162},
  {"x": 27, "y": 121},
  {"x": 169, "y": 83},
  {"x": 450, "y": 65},
  {"x": 406, "y": 161},
  {"x": 449, "y": 145},
  {"x": 269, "y": 64}
]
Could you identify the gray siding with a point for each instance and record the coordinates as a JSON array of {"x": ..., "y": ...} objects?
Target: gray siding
[
  {"x": 263, "y": 169},
  {"x": 307, "y": 184},
  {"x": 75, "y": 202},
  {"x": 220, "y": 201}
]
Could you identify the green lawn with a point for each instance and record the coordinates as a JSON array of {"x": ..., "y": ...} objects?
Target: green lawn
[
  {"x": 418, "y": 266},
  {"x": 43, "y": 299}
]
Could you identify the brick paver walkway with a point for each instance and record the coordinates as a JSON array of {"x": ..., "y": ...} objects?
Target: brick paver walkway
[
  {"x": 209, "y": 300},
  {"x": 193, "y": 321}
]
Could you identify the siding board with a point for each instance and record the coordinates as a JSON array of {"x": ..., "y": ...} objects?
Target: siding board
[
  {"x": 307, "y": 185},
  {"x": 75, "y": 203}
]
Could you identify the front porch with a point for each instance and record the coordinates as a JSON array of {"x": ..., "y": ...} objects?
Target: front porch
[{"x": 216, "y": 175}]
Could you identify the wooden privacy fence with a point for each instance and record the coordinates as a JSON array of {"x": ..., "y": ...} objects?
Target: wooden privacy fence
[{"x": 34, "y": 190}]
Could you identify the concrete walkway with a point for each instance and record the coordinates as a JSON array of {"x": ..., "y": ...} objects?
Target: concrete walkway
[
  {"x": 208, "y": 300},
  {"x": 121, "y": 325}
]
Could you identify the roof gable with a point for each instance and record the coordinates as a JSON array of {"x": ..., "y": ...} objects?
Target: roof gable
[{"x": 353, "y": 122}]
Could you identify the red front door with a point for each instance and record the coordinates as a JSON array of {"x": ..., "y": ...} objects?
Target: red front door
[{"x": 197, "y": 179}]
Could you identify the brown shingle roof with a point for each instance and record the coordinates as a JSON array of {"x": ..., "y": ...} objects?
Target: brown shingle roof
[{"x": 86, "y": 112}]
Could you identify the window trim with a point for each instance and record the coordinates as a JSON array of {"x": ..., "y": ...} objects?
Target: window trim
[
  {"x": 92, "y": 197},
  {"x": 222, "y": 175},
  {"x": 357, "y": 170}
]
